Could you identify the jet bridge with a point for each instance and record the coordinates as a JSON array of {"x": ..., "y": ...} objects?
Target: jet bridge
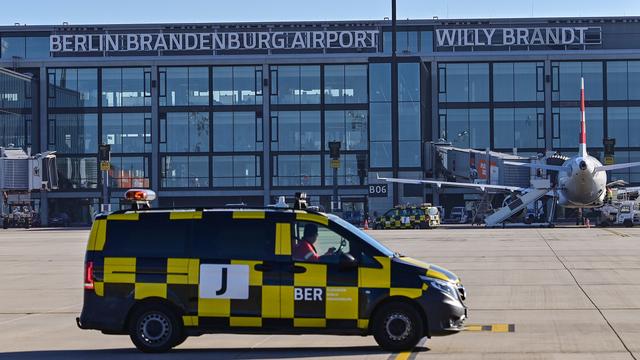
[
  {"x": 520, "y": 202},
  {"x": 489, "y": 167},
  {"x": 20, "y": 174}
]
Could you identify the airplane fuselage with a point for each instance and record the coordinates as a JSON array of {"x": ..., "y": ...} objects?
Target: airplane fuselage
[{"x": 582, "y": 187}]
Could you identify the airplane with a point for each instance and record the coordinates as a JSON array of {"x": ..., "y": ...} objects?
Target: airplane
[{"x": 582, "y": 179}]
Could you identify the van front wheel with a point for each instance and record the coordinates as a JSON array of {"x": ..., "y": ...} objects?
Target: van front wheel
[
  {"x": 155, "y": 328},
  {"x": 397, "y": 327}
]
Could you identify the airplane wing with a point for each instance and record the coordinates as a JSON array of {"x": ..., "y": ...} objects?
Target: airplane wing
[
  {"x": 617, "y": 166},
  {"x": 540, "y": 166},
  {"x": 438, "y": 183}
]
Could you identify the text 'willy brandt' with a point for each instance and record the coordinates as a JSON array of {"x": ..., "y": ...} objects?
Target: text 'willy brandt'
[
  {"x": 548, "y": 36},
  {"x": 214, "y": 41}
]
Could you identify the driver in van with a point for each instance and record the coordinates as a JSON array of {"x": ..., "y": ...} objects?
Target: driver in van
[{"x": 304, "y": 249}]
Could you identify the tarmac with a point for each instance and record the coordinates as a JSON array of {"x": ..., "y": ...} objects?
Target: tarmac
[{"x": 564, "y": 293}]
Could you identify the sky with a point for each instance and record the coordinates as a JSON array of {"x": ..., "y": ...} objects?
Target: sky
[{"x": 75, "y": 12}]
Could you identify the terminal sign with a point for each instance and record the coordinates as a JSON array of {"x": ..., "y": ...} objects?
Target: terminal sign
[
  {"x": 247, "y": 40},
  {"x": 378, "y": 190},
  {"x": 520, "y": 36}
]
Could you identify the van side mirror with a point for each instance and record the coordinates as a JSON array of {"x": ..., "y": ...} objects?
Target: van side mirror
[{"x": 347, "y": 261}]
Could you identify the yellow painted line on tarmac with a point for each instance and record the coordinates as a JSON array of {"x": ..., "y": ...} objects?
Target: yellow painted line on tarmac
[
  {"x": 496, "y": 328},
  {"x": 408, "y": 355},
  {"x": 616, "y": 233}
]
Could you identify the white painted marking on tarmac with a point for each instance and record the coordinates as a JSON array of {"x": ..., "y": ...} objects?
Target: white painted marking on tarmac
[{"x": 53, "y": 311}]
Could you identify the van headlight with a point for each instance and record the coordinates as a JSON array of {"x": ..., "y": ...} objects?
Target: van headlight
[{"x": 442, "y": 286}]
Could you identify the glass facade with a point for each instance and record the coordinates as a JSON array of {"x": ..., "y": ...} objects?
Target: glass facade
[
  {"x": 16, "y": 114},
  {"x": 24, "y": 47},
  {"x": 258, "y": 122}
]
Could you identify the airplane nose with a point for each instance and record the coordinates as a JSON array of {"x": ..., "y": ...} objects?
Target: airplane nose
[{"x": 583, "y": 165}]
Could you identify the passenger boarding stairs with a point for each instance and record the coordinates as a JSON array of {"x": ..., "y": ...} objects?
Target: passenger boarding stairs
[{"x": 539, "y": 189}]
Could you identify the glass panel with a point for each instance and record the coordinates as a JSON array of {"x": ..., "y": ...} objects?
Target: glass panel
[
  {"x": 569, "y": 78},
  {"x": 467, "y": 127},
  {"x": 185, "y": 171},
  {"x": 525, "y": 85},
  {"x": 223, "y": 85},
  {"x": 380, "y": 82},
  {"x": 570, "y": 127},
  {"x": 334, "y": 127},
  {"x": 133, "y": 87},
  {"x": 244, "y": 85},
  {"x": 198, "y": 86},
  {"x": 356, "y": 130},
  {"x": 126, "y": 132},
  {"x": 386, "y": 42},
  {"x": 223, "y": 171},
  {"x": 409, "y": 153},
  {"x": 235, "y": 131},
  {"x": 503, "y": 82},
  {"x": 235, "y": 171},
  {"x": 617, "y": 80},
  {"x": 124, "y": 87},
  {"x": 334, "y": 84},
  {"x": 129, "y": 172},
  {"x": 244, "y": 171},
  {"x": 244, "y": 131},
  {"x": 74, "y": 133},
  {"x": 186, "y": 132},
  {"x": 310, "y": 85},
  {"x": 13, "y": 129},
  {"x": 13, "y": 46},
  {"x": 288, "y": 85},
  {"x": 618, "y": 125},
  {"x": 380, "y": 154},
  {"x": 380, "y": 127},
  {"x": 457, "y": 83},
  {"x": 310, "y": 130},
  {"x": 355, "y": 84},
  {"x": 426, "y": 42},
  {"x": 73, "y": 87},
  {"x": 77, "y": 173},
  {"x": 478, "y": 82},
  {"x": 296, "y": 170},
  {"x": 347, "y": 172},
  {"x": 516, "y": 128},
  {"x": 409, "y": 82},
  {"x": 222, "y": 131},
  {"x": 345, "y": 84},
  {"x": 37, "y": 47},
  {"x": 633, "y": 70},
  {"x": 409, "y": 121}
]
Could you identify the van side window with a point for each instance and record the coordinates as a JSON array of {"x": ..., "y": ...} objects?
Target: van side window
[
  {"x": 152, "y": 236},
  {"x": 233, "y": 239},
  {"x": 326, "y": 244}
]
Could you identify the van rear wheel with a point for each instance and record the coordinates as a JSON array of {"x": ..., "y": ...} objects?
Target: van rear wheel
[
  {"x": 155, "y": 328},
  {"x": 397, "y": 326}
]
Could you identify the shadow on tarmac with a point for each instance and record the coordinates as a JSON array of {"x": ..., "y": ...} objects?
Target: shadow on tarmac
[
  {"x": 62, "y": 228},
  {"x": 230, "y": 353}
]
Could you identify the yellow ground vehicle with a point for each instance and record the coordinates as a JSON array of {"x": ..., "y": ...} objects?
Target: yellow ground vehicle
[
  {"x": 162, "y": 275},
  {"x": 424, "y": 216}
]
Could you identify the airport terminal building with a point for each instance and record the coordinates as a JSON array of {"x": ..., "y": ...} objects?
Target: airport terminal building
[{"x": 211, "y": 114}]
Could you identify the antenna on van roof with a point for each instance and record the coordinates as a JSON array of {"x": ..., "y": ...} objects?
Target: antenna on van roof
[{"x": 301, "y": 201}]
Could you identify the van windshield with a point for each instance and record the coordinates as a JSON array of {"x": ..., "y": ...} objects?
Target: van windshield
[{"x": 361, "y": 234}]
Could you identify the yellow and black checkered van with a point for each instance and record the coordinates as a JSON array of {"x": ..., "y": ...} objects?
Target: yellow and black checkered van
[
  {"x": 163, "y": 275},
  {"x": 422, "y": 216}
]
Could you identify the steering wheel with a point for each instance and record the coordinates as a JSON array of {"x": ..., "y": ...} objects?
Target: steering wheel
[{"x": 343, "y": 243}]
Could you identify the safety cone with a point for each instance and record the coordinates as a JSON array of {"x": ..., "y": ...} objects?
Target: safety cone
[{"x": 366, "y": 224}]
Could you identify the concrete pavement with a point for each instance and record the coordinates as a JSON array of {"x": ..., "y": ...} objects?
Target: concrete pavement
[{"x": 572, "y": 293}]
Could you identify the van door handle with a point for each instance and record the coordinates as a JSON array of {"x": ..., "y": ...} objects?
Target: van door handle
[
  {"x": 263, "y": 267},
  {"x": 297, "y": 269}
]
